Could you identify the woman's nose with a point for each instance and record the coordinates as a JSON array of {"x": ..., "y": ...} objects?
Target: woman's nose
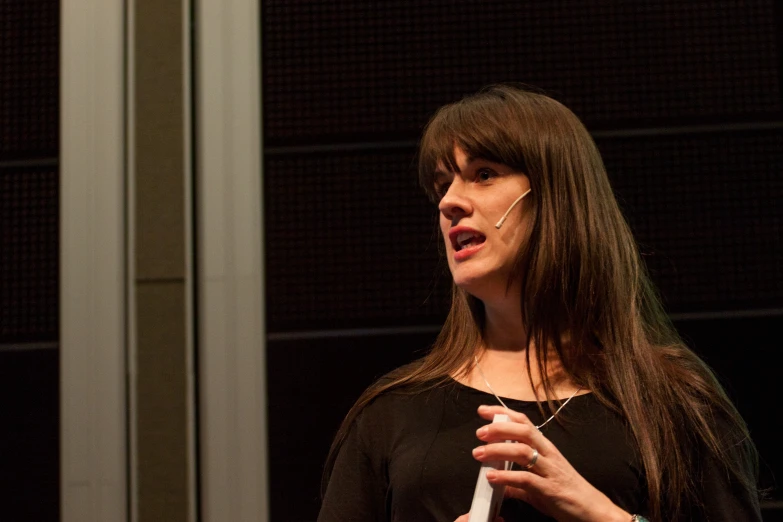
[{"x": 455, "y": 202}]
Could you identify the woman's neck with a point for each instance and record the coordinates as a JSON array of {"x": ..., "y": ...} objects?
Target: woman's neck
[
  {"x": 505, "y": 373},
  {"x": 503, "y": 357},
  {"x": 503, "y": 326}
]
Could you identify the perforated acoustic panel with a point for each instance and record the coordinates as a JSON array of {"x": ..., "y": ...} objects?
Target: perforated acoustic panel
[
  {"x": 707, "y": 211},
  {"x": 29, "y": 78},
  {"x": 29, "y": 440},
  {"x": 351, "y": 240},
  {"x": 359, "y": 70},
  {"x": 29, "y": 278},
  {"x": 299, "y": 368}
]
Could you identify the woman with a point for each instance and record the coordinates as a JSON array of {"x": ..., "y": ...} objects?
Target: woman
[{"x": 554, "y": 316}]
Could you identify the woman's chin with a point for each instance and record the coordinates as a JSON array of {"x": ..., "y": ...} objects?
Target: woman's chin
[
  {"x": 482, "y": 285},
  {"x": 479, "y": 285},
  {"x": 468, "y": 280}
]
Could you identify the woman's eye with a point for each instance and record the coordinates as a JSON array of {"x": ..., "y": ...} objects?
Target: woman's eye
[
  {"x": 485, "y": 174},
  {"x": 441, "y": 189}
]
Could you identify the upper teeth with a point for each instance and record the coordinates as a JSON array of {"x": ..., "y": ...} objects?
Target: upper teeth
[{"x": 464, "y": 237}]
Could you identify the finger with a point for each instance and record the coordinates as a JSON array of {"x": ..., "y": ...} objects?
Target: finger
[
  {"x": 527, "y": 484},
  {"x": 528, "y": 458},
  {"x": 488, "y": 412},
  {"x": 517, "y": 493},
  {"x": 525, "y": 433},
  {"x": 465, "y": 518},
  {"x": 502, "y": 431}
]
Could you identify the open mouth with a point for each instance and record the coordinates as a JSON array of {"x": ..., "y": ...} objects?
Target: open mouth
[{"x": 465, "y": 240}]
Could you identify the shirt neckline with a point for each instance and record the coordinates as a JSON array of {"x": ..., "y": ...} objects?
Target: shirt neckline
[{"x": 483, "y": 393}]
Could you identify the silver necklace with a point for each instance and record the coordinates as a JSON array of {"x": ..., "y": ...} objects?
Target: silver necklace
[{"x": 475, "y": 358}]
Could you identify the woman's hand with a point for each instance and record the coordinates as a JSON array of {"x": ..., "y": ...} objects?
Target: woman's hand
[
  {"x": 464, "y": 518},
  {"x": 550, "y": 484}
]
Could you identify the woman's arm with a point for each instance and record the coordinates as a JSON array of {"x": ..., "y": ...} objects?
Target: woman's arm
[
  {"x": 725, "y": 498},
  {"x": 357, "y": 485}
]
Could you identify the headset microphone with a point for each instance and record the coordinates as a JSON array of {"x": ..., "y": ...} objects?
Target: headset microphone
[{"x": 503, "y": 219}]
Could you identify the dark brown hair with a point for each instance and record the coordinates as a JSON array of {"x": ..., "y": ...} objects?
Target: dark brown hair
[{"x": 586, "y": 299}]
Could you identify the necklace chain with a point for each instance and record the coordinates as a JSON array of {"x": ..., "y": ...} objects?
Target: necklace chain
[{"x": 478, "y": 366}]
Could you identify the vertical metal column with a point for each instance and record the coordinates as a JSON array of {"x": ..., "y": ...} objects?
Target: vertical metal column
[
  {"x": 93, "y": 276},
  {"x": 232, "y": 380}
]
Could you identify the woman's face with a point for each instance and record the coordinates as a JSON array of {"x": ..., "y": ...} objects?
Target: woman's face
[{"x": 473, "y": 200}]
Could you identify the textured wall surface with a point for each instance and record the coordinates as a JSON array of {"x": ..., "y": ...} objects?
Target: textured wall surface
[
  {"x": 29, "y": 260},
  {"x": 683, "y": 98}
]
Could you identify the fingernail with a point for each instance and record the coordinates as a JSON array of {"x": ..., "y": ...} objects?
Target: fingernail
[
  {"x": 478, "y": 452},
  {"x": 491, "y": 475},
  {"x": 482, "y": 431},
  {"x": 483, "y": 407}
]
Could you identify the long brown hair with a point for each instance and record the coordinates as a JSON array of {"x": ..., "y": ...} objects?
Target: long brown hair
[{"x": 583, "y": 280}]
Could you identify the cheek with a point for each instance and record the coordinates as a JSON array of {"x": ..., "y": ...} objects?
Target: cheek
[
  {"x": 520, "y": 238},
  {"x": 444, "y": 231}
]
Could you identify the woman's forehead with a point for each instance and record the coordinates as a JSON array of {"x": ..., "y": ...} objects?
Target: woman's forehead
[{"x": 454, "y": 162}]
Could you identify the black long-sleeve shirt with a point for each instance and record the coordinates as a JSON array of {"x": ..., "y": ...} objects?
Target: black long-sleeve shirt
[{"x": 407, "y": 458}]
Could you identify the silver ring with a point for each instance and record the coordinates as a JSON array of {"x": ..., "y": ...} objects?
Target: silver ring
[{"x": 533, "y": 459}]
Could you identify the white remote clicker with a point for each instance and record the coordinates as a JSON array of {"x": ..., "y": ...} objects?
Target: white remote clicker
[{"x": 487, "y": 497}]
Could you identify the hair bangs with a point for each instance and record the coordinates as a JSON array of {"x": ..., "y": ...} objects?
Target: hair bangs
[{"x": 479, "y": 126}]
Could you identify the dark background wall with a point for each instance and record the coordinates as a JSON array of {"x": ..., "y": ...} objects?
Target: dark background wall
[
  {"x": 683, "y": 98},
  {"x": 29, "y": 285}
]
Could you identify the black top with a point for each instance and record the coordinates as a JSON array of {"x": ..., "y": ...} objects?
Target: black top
[{"x": 407, "y": 458}]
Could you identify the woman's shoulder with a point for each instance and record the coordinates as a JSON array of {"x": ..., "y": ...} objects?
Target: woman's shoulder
[
  {"x": 398, "y": 396},
  {"x": 399, "y": 373},
  {"x": 396, "y": 411}
]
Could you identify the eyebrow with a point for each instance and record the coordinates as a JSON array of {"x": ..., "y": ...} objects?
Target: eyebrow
[{"x": 468, "y": 160}]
